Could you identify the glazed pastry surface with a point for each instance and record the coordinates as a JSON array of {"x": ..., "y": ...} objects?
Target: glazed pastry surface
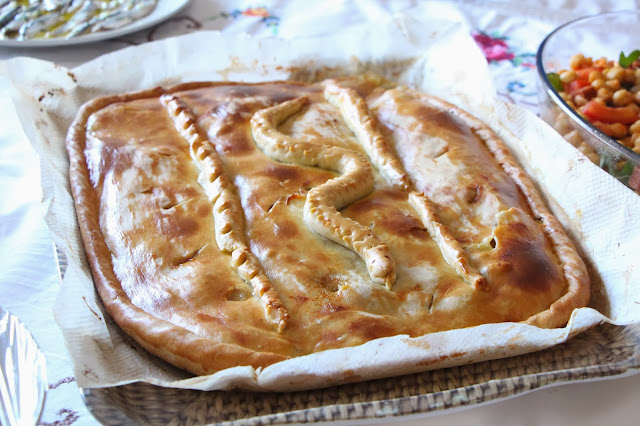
[{"x": 243, "y": 224}]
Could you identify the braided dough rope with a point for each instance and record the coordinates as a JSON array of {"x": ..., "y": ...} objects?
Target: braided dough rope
[
  {"x": 358, "y": 118},
  {"x": 323, "y": 202},
  {"x": 227, "y": 211}
]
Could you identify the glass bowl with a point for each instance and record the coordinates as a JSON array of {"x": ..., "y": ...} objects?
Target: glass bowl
[{"x": 604, "y": 35}]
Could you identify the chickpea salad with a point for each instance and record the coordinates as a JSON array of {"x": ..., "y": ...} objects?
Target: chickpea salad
[{"x": 606, "y": 93}]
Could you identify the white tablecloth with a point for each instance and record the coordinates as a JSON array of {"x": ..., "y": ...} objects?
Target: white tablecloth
[{"x": 509, "y": 33}]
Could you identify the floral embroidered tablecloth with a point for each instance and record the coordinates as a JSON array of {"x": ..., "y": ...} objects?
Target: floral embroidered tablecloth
[{"x": 508, "y": 33}]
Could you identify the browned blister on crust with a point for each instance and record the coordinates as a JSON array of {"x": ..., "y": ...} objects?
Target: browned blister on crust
[{"x": 244, "y": 224}]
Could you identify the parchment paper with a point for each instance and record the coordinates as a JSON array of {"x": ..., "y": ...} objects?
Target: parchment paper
[{"x": 434, "y": 55}]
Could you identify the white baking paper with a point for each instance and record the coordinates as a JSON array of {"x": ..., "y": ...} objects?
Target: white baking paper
[{"x": 422, "y": 49}]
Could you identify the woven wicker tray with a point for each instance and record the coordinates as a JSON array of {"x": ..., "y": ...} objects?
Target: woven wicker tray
[{"x": 601, "y": 352}]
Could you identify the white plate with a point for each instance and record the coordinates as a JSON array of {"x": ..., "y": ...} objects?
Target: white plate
[{"x": 164, "y": 9}]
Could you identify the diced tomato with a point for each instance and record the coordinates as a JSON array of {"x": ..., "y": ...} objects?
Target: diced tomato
[
  {"x": 583, "y": 73},
  {"x": 575, "y": 85},
  {"x": 597, "y": 112}
]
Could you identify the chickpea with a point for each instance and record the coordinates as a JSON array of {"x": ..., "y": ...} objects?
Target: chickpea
[
  {"x": 604, "y": 94},
  {"x": 610, "y": 129},
  {"x": 589, "y": 153},
  {"x": 637, "y": 97},
  {"x": 598, "y": 83},
  {"x": 622, "y": 97},
  {"x": 600, "y": 101},
  {"x": 635, "y": 88},
  {"x": 635, "y": 139},
  {"x": 618, "y": 130},
  {"x": 580, "y": 100},
  {"x": 615, "y": 73},
  {"x": 562, "y": 124},
  {"x": 573, "y": 137},
  {"x": 613, "y": 85},
  {"x": 628, "y": 142},
  {"x": 594, "y": 158},
  {"x": 568, "y": 76},
  {"x": 578, "y": 61},
  {"x": 597, "y": 75},
  {"x": 635, "y": 128},
  {"x": 619, "y": 164},
  {"x": 629, "y": 76}
]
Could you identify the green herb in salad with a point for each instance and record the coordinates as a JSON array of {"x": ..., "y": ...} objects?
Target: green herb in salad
[
  {"x": 608, "y": 163},
  {"x": 554, "y": 79},
  {"x": 626, "y": 61}
]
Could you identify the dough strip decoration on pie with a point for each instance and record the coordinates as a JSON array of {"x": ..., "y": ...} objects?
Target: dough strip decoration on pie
[
  {"x": 574, "y": 270},
  {"x": 227, "y": 210},
  {"x": 323, "y": 202},
  {"x": 356, "y": 114},
  {"x": 451, "y": 249}
]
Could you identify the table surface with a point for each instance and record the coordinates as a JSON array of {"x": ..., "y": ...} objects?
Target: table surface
[{"x": 509, "y": 35}]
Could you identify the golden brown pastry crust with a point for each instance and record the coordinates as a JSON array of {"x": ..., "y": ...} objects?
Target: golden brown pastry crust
[{"x": 210, "y": 214}]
